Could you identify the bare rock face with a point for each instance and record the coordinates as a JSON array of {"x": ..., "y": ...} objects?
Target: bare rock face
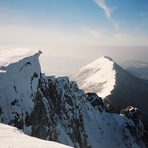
[
  {"x": 56, "y": 109},
  {"x": 136, "y": 128},
  {"x": 59, "y": 111},
  {"x": 97, "y": 102}
]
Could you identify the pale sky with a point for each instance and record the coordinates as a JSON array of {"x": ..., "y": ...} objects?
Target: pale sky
[{"x": 72, "y": 32}]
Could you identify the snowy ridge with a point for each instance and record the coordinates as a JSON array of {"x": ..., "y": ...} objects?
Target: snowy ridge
[
  {"x": 98, "y": 76},
  {"x": 55, "y": 109},
  {"x": 19, "y": 82},
  {"x": 11, "y": 56},
  {"x": 13, "y": 138}
]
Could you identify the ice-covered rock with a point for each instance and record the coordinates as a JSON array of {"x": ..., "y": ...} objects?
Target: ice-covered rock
[
  {"x": 56, "y": 109},
  {"x": 19, "y": 77}
]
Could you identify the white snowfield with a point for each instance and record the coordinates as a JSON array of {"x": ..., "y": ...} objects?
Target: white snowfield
[
  {"x": 98, "y": 76},
  {"x": 11, "y": 137},
  {"x": 11, "y": 56}
]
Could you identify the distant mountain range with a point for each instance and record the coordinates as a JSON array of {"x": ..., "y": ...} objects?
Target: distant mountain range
[
  {"x": 137, "y": 68},
  {"x": 114, "y": 84}
]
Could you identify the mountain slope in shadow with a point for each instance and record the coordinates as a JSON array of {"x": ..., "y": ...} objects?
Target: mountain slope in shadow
[{"x": 126, "y": 90}]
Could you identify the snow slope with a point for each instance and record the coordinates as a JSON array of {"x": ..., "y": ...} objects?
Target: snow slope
[
  {"x": 55, "y": 109},
  {"x": 11, "y": 56},
  {"x": 11, "y": 137},
  {"x": 98, "y": 76},
  {"x": 115, "y": 85},
  {"x": 129, "y": 90}
]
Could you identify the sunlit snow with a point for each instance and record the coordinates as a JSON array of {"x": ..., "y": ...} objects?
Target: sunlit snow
[
  {"x": 11, "y": 56},
  {"x": 98, "y": 76},
  {"x": 11, "y": 137}
]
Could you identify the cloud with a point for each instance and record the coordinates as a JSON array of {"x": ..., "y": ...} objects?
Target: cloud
[
  {"x": 101, "y": 4},
  {"x": 116, "y": 26},
  {"x": 91, "y": 32},
  {"x": 98, "y": 34},
  {"x": 113, "y": 38},
  {"x": 142, "y": 14},
  {"x": 108, "y": 11}
]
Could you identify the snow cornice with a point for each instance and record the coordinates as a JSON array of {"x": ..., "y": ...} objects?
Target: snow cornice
[{"x": 11, "y": 56}]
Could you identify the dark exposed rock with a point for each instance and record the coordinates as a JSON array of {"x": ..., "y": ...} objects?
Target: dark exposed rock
[
  {"x": 133, "y": 114},
  {"x": 95, "y": 101},
  {"x": 15, "y": 89},
  {"x": 17, "y": 121},
  {"x": 14, "y": 102},
  {"x": 137, "y": 128},
  {"x": 26, "y": 64},
  {"x": 1, "y": 111},
  {"x": 61, "y": 104}
]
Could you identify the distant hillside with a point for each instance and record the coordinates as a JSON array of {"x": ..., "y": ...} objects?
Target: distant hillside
[{"x": 137, "y": 68}]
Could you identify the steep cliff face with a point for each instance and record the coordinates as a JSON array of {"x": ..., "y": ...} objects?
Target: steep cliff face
[
  {"x": 56, "y": 109},
  {"x": 19, "y": 77}
]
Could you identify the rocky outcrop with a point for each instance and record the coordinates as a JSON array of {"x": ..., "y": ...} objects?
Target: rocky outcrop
[
  {"x": 98, "y": 103},
  {"x": 136, "y": 128},
  {"x": 56, "y": 109}
]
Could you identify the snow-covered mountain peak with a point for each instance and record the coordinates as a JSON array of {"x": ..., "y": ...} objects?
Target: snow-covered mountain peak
[
  {"x": 115, "y": 85},
  {"x": 100, "y": 62},
  {"x": 98, "y": 76},
  {"x": 11, "y": 56},
  {"x": 109, "y": 58}
]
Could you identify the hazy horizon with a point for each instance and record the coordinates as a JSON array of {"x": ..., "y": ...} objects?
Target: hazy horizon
[
  {"x": 64, "y": 64},
  {"x": 72, "y": 33}
]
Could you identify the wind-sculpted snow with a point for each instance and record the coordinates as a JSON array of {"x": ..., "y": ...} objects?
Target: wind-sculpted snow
[
  {"x": 11, "y": 56},
  {"x": 98, "y": 77},
  {"x": 56, "y": 109}
]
